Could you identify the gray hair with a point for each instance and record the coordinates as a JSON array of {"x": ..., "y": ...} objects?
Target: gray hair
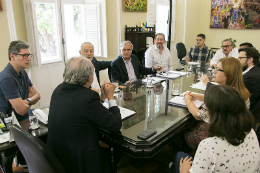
[
  {"x": 16, "y": 46},
  {"x": 77, "y": 71},
  {"x": 121, "y": 47},
  {"x": 231, "y": 42},
  {"x": 86, "y": 43},
  {"x": 160, "y": 34}
]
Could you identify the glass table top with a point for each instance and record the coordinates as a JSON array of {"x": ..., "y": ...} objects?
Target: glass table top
[{"x": 151, "y": 105}]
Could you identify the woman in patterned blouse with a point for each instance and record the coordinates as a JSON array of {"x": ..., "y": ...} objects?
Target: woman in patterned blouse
[
  {"x": 228, "y": 72},
  {"x": 232, "y": 145}
]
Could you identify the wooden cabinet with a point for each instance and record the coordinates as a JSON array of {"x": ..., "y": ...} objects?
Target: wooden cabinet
[{"x": 138, "y": 39}]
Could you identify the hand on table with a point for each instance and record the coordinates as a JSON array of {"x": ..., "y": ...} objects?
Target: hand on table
[
  {"x": 158, "y": 68},
  {"x": 128, "y": 82}
]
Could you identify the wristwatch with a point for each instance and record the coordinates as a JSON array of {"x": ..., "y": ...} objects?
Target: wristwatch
[{"x": 30, "y": 101}]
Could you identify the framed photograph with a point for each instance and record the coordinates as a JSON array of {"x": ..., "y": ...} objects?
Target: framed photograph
[
  {"x": 1, "y": 7},
  {"x": 235, "y": 14},
  {"x": 135, "y": 5}
]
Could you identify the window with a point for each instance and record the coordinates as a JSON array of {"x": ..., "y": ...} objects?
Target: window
[
  {"x": 158, "y": 14},
  {"x": 68, "y": 22}
]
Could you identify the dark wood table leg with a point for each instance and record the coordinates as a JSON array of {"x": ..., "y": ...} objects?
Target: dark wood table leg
[{"x": 113, "y": 161}]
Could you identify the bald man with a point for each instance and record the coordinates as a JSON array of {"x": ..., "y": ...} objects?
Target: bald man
[{"x": 87, "y": 50}]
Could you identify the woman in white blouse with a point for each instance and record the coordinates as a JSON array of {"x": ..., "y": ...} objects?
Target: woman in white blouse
[
  {"x": 228, "y": 72},
  {"x": 232, "y": 145}
]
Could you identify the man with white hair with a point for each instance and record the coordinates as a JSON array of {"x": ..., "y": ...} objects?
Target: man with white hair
[
  {"x": 76, "y": 113},
  {"x": 127, "y": 68},
  {"x": 87, "y": 50}
]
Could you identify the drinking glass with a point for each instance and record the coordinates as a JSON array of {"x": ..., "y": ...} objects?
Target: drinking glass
[
  {"x": 33, "y": 122},
  {"x": 115, "y": 82},
  {"x": 189, "y": 67},
  {"x": 175, "y": 89},
  {"x": 149, "y": 81}
]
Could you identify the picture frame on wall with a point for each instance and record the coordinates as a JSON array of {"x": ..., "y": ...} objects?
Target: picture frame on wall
[
  {"x": 1, "y": 6},
  {"x": 235, "y": 14},
  {"x": 134, "y": 5}
]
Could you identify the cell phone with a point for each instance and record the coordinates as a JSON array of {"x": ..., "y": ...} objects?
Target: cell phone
[
  {"x": 147, "y": 133},
  {"x": 179, "y": 69}
]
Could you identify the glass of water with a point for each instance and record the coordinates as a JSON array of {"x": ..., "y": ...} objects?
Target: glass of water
[
  {"x": 189, "y": 67},
  {"x": 149, "y": 81},
  {"x": 175, "y": 89},
  {"x": 115, "y": 82},
  {"x": 33, "y": 122}
]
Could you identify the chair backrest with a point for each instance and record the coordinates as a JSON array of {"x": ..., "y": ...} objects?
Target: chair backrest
[
  {"x": 38, "y": 156},
  {"x": 181, "y": 50}
]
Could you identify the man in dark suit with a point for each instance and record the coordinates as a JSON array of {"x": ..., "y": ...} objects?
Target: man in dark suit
[
  {"x": 127, "y": 68},
  {"x": 249, "y": 58},
  {"x": 76, "y": 113},
  {"x": 87, "y": 50}
]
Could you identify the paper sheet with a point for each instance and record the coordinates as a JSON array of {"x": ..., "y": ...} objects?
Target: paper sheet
[
  {"x": 4, "y": 137},
  {"x": 168, "y": 75},
  {"x": 179, "y": 101},
  {"x": 178, "y": 72},
  {"x": 155, "y": 80},
  {"x": 193, "y": 63},
  {"x": 199, "y": 85},
  {"x": 124, "y": 112}
]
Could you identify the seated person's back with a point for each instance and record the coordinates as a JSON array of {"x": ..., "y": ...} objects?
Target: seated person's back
[{"x": 75, "y": 114}]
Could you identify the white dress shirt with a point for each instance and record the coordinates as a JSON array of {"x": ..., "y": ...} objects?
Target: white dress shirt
[
  {"x": 95, "y": 83},
  {"x": 247, "y": 70},
  {"x": 130, "y": 70},
  {"x": 153, "y": 58},
  {"x": 219, "y": 55}
]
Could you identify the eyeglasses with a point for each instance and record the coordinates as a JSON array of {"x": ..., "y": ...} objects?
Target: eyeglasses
[
  {"x": 198, "y": 39},
  {"x": 227, "y": 46},
  {"x": 25, "y": 56},
  {"x": 241, "y": 58},
  {"x": 217, "y": 69}
]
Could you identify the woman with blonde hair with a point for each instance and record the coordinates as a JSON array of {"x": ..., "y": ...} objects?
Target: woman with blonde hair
[{"x": 228, "y": 72}]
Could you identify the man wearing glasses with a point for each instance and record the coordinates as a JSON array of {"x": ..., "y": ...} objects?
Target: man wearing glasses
[
  {"x": 158, "y": 55},
  {"x": 200, "y": 52},
  {"x": 227, "y": 50},
  {"x": 249, "y": 58},
  {"x": 17, "y": 93}
]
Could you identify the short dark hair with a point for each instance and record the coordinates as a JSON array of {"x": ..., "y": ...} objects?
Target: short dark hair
[
  {"x": 16, "y": 46},
  {"x": 246, "y": 44},
  {"x": 202, "y": 36},
  {"x": 159, "y": 34},
  {"x": 231, "y": 42},
  {"x": 229, "y": 117},
  {"x": 251, "y": 52}
]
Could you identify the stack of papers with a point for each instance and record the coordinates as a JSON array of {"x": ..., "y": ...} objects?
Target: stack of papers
[
  {"x": 199, "y": 85},
  {"x": 179, "y": 101},
  {"x": 125, "y": 113},
  {"x": 155, "y": 80},
  {"x": 178, "y": 72},
  {"x": 4, "y": 137},
  {"x": 168, "y": 75}
]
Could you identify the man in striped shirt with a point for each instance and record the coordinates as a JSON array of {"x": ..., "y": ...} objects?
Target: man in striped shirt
[{"x": 200, "y": 52}]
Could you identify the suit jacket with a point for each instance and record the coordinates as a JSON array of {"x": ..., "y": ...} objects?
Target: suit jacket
[
  {"x": 252, "y": 83},
  {"x": 75, "y": 115},
  {"x": 119, "y": 71},
  {"x": 101, "y": 65}
]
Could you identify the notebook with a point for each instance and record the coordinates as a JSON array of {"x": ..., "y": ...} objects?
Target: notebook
[
  {"x": 178, "y": 72},
  {"x": 179, "y": 101},
  {"x": 168, "y": 75}
]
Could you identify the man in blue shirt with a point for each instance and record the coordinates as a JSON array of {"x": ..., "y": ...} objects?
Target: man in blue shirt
[
  {"x": 16, "y": 90},
  {"x": 200, "y": 51}
]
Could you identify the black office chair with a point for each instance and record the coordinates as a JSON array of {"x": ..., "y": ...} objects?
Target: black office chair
[
  {"x": 38, "y": 156},
  {"x": 181, "y": 52}
]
